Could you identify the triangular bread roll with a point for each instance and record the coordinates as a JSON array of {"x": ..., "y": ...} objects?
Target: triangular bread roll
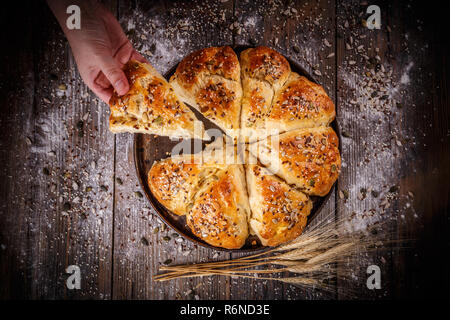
[
  {"x": 276, "y": 100},
  {"x": 209, "y": 81},
  {"x": 211, "y": 194},
  {"x": 151, "y": 106},
  {"x": 308, "y": 158},
  {"x": 174, "y": 181},
  {"x": 300, "y": 103},
  {"x": 263, "y": 73},
  {"x": 220, "y": 212},
  {"x": 279, "y": 211}
]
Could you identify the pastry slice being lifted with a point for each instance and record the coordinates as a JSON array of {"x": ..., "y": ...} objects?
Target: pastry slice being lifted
[
  {"x": 209, "y": 81},
  {"x": 151, "y": 106},
  {"x": 210, "y": 193},
  {"x": 277, "y": 100},
  {"x": 307, "y": 158},
  {"x": 279, "y": 211}
]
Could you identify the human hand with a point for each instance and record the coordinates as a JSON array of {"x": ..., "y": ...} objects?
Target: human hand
[{"x": 100, "y": 47}]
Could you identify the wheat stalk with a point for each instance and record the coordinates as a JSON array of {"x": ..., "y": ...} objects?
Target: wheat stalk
[{"x": 311, "y": 260}]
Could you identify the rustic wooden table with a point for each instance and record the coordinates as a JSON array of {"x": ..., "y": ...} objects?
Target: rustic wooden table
[{"x": 68, "y": 188}]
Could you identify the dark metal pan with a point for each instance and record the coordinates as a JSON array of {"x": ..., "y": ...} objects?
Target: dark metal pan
[{"x": 150, "y": 148}]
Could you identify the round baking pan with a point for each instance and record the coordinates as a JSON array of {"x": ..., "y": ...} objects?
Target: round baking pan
[{"x": 150, "y": 148}]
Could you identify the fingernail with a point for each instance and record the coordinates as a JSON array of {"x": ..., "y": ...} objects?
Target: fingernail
[{"x": 120, "y": 86}]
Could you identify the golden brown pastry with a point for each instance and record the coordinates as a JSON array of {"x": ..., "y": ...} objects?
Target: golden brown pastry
[
  {"x": 308, "y": 158},
  {"x": 276, "y": 100},
  {"x": 175, "y": 180},
  {"x": 210, "y": 193},
  {"x": 150, "y": 106},
  {"x": 220, "y": 210},
  {"x": 263, "y": 72},
  {"x": 222, "y": 204},
  {"x": 279, "y": 211},
  {"x": 209, "y": 81},
  {"x": 300, "y": 103}
]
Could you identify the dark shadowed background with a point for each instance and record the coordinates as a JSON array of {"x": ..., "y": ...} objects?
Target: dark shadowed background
[{"x": 68, "y": 189}]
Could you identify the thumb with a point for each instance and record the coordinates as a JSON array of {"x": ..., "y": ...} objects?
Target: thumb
[{"x": 113, "y": 72}]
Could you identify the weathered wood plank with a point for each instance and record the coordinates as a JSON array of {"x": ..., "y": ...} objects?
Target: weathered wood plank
[
  {"x": 417, "y": 43},
  {"x": 368, "y": 118},
  {"x": 387, "y": 99},
  {"x": 165, "y": 32},
  {"x": 51, "y": 220},
  {"x": 55, "y": 148},
  {"x": 16, "y": 102},
  {"x": 298, "y": 30}
]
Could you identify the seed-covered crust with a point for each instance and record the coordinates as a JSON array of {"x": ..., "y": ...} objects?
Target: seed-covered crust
[
  {"x": 209, "y": 80},
  {"x": 151, "y": 106},
  {"x": 174, "y": 181},
  {"x": 265, "y": 64},
  {"x": 279, "y": 211},
  {"x": 263, "y": 72},
  {"x": 276, "y": 100},
  {"x": 308, "y": 158},
  {"x": 210, "y": 193},
  {"x": 221, "y": 211},
  {"x": 300, "y": 103},
  {"x": 222, "y": 205}
]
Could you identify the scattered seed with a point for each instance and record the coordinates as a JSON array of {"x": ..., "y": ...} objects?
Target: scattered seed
[
  {"x": 393, "y": 189},
  {"x": 67, "y": 206},
  {"x": 343, "y": 194},
  {"x": 144, "y": 241},
  {"x": 138, "y": 194}
]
